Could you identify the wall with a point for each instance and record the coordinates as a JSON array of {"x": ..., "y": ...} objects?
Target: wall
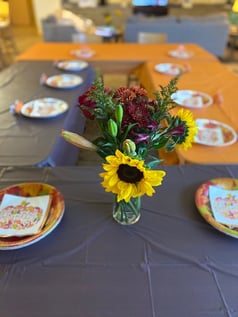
[
  {"x": 21, "y": 12},
  {"x": 42, "y": 8}
]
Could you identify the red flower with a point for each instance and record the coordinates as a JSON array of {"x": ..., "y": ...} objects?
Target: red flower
[{"x": 86, "y": 105}]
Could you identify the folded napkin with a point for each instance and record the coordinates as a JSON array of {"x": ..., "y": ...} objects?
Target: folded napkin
[{"x": 15, "y": 108}]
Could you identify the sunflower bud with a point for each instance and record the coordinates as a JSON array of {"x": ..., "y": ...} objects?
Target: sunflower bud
[
  {"x": 119, "y": 114},
  {"x": 112, "y": 127},
  {"x": 129, "y": 147}
]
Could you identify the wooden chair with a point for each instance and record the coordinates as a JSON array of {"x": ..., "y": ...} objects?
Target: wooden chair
[
  {"x": 147, "y": 37},
  {"x": 143, "y": 38}
]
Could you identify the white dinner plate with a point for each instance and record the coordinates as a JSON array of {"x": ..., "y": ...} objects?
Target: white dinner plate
[
  {"x": 180, "y": 53},
  {"x": 64, "y": 81},
  {"x": 169, "y": 69},
  {"x": 44, "y": 108},
  {"x": 72, "y": 65},
  {"x": 83, "y": 53},
  {"x": 55, "y": 214},
  {"x": 214, "y": 133},
  {"x": 192, "y": 99}
]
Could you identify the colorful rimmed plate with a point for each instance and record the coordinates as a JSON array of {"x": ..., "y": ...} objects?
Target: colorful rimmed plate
[
  {"x": 44, "y": 108},
  {"x": 182, "y": 54},
  {"x": 54, "y": 217},
  {"x": 72, "y": 65},
  {"x": 169, "y": 69},
  {"x": 204, "y": 207},
  {"x": 83, "y": 53},
  {"x": 192, "y": 99},
  {"x": 214, "y": 133},
  {"x": 64, "y": 81}
]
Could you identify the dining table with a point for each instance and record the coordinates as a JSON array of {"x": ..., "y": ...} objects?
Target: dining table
[
  {"x": 112, "y": 57},
  {"x": 202, "y": 73},
  {"x": 172, "y": 262},
  {"x": 27, "y": 140}
]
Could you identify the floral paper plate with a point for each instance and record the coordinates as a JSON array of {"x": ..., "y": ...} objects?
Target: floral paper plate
[
  {"x": 64, "y": 81},
  {"x": 192, "y": 99},
  {"x": 169, "y": 69},
  {"x": 55, "y": 214},
  {"x": 203, "y": 204},
  {"x": 72, "y": 65},
  {"x": 44, "y": 108},
  {"x": 214, "y": 133}
]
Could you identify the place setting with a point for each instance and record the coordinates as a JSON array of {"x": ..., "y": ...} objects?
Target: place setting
[
  {"x": 192, "y": 99},
  {"x": 71, "y": 65},
  {"x": 83, "y": 52},
  {"x": 28, "y": 213},
  {"x": 214, "y": 133},
  {"x": 217, "y": 202},
  {"x": 40, "y": 108},
  {"x": 171, "y": 69},
  {"x": 180, "y": 52},
  {"x": 61, "y": 81}
]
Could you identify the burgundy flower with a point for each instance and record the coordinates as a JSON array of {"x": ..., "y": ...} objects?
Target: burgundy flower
[{"x": 86, "y": 105}]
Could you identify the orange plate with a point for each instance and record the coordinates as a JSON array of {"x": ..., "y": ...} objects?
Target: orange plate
[{"x": 55, "y": 213}]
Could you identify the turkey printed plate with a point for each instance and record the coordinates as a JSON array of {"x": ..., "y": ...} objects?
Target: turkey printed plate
[
  {"x": 214, "y": 133},
  {"x": 44, "y": 108},
  {"x": 19, "y": 217},
  {"x": 169, "y": 69},
  {"x": 192, "y": 99},
  {"x": 72, "y": 65},
  {"x": 64, "y": 81}
]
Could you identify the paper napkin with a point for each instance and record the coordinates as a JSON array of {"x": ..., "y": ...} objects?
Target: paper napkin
[
  {"x": 20, "y": 216},
  {"x": 224, "y": 205}
]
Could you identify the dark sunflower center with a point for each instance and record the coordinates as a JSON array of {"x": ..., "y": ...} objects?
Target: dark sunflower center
[{"x": 129, "y": 174}]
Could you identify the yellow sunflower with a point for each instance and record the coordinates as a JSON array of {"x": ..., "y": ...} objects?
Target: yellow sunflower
[
  {"x": 128, "y": 177},
  {"x": 186, "y": 117}
]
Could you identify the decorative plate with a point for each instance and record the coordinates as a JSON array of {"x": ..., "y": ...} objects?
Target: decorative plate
[
  {"x": 204, "y": 207},
  {"x": 180, "y": 53},
  {"x": 44, "y": 108},
  {"x": 169, "y": 69},
  {"x": 214, "y": 133},
  {"x": 192, "y": 99},
  {"x": 54, "y": 216},
  {"x": 64, "y": 81},
  {"x": 83, "y": 53},
  {"x": 72, "y": 65}
]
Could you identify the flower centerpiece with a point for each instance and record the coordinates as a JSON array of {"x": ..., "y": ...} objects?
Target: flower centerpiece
[{"x": 132, "y": 125}]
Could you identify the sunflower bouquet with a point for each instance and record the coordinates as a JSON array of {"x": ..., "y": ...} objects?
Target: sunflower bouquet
[{"x": 132, "y": 126}]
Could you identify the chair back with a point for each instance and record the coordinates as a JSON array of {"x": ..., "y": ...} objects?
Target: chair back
[{"x": 147, "y": 37}]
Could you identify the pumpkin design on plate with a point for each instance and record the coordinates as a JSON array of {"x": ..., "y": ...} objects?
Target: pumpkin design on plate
[{"x": 20, "y": 217}]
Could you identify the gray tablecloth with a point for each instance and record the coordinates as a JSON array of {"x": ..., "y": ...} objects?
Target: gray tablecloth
[
  {"x": 171, "y": 263},
  {"x": 27, "y": 141}
]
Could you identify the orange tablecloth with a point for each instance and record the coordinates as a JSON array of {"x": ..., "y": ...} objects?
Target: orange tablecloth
[
  {"x": 211, "y": 78},
  {"x": 112, "y": 57}
]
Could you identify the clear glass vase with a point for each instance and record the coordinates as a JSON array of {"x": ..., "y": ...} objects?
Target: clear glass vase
[{"x": 127, "y": 213}]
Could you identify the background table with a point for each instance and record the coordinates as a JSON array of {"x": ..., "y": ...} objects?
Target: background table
[
  {"x": 171, "y": 263},
  {"x": 113, "y": 57},
  {"x": 26, "y": 141},
  {"x": 210, "y": 77}
]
